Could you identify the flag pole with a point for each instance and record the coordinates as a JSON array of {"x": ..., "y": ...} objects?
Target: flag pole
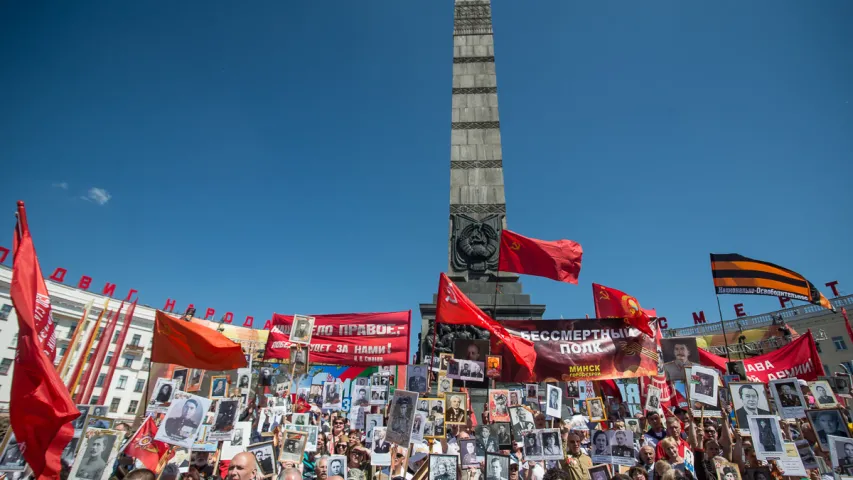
[
  {"x": 65, "y": 363},
  {"x": 497, "y": 282},
  {"x": 723, "y": 325}
]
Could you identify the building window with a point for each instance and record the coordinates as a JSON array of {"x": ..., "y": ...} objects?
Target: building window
[
  {"x": 15, "y": 340},
  {"x": 122, "y": 382},
  {"x": 839, "y": 343},
  {"x": 128, "y": 362},
  {"x": 70, "y": 333},
  {"x": 140, "y": 384},
  {"x": 817, "y": 345},
  {"x": 115, "y": 337},
  {"x": 108, "y": 359},
  {"x": 114, "y": 404},
  {"x": 146, "y": 364},
  {"x": 5, "y": 365},
  {"x": 136, "y": 339},
  {"x": 94, "y": 400},
  {"x": 62, "y": 351},
  {"x": 100, "y": 332},
  {"x": 134, "y": 404},
  {"x": 101, "y": 378},
  {"x": 5, "y": 310}
]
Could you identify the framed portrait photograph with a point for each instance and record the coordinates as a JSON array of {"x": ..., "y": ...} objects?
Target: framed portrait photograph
[
  {"x": 468, "y": 453},
  {"x": 332, "y": 399},
  {"x": 841, "y": 383},
  {"x": 521, "y": 421},
  {"x": 194, "y": 382},
  {"x": 417, "y": 378},
  {"x": 179, "y": 375},
  {"x": 503, "y": 435},
  {"x": 766, "y": 435},
  {"x": 380, "y": 448},
  {"x": 418, "y": 425},
  {"x": 401, "y": 416},
  {"x": 293, "y": 445},
  {"x": 442, "y": 467},
  {"x": 444, "y": 385},
  {"x": 338, "y": 466},
  {"x": 600, "y": 447},
  {"x": 11, "y": 456},
  {"x": 224, "y": 419},
  {"x": 471, "y": 350},
  {"x": 379, "y": 394},
  {"x": 371, "y": 421},
  {"x": 244, "y": 379},
  {"x": 444, "y": 362},
  {"x": 218, "y": 386},
  {"x": 360, "y": 395},
  {"x": 299, "y": 358},
  {"x": 515, "y": 397},
  {"x": 573, "y": 390},
  {"x": 161, "y": 399},
  {"x": 97, "y": 454},
  {"x": 552, "y": 444},
  {"x": 748, "y": 399},
  {"x": 493, "y": 366},
  {"x": 595, "y": 410},
  {"x": 633, "y": 426},
  {"x": 180, "y": 426},
  {"x": 499, "y": 405},
  {"x": 303, "y": 327},
  {"x": 80, "y": 422},
  {"x": 468, "y": 370},
  {"x": 703, "y": 385},
  {"x": 826, "y": 422},
  {"x": 841, "y": 451},
  {"x": 678, "y": 353},
  {"x": 553, "y": 401},
  {"x": 497, "y": 467},
  {"x": 823, "y": 395},
  {"x": 99, "y": 422},
  {"x": 729, "y": 471},
  {"x": 532, "y": 390},
  {"x": 789, "y": 399},
  {"x": 457, "y": 403},
  {"x": 756, "y": 473},
  {"x": 265, "y": 456},
  {"x": 487, "y": 440},
  {"x": 621, "y": 447},
  {"x": 599, "y": 472},
  {"x": 532, "y": 444}
]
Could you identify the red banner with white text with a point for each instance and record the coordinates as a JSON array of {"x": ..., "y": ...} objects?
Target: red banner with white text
[
  {"x": 797, "y": 359},
  {"x": 350, "y": 339}
]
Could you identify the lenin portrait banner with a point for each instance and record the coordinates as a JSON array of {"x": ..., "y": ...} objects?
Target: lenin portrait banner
[{"x": 587, "y": 349}]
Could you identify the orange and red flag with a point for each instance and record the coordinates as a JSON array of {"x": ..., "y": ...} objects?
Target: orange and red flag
[
  {"x": 612, "y": 303},
  {"x": 558, "y": 260},
  {"x": 39, "y": 405},
  {"x": 144, "y": 448},
  {"x": 190, "y": 345}
]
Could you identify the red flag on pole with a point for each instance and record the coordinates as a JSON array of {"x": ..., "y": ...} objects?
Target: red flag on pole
[
  {"x": 128, "y": 318},
  {"x": 190, "y": 345},
  {"x": 98, "y": 359},
  {"x": 558, "y": 260},
  {"x": 144, "y": 448},
  {"x": 847, "y": 323},
  {"x": 611, "y": 303},
  {"x": 40, "y": 408},
  {"x": 455, "y": 308}
]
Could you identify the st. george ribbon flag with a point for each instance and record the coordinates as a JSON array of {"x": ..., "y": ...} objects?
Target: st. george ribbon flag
[{"x": 39, "y": 405}]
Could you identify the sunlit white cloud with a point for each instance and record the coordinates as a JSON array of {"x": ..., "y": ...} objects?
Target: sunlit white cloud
[{"x": 98, "y": 195}]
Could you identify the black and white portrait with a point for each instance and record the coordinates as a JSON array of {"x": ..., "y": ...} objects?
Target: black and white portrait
[
  {"x": 826, "y": 423},
  {"x": 522, "y": 420},
  {"x": 332, "y": 396},
  {"x": 303, "y": 327},
  {"x": 265, "y": 457},
  {"x": 456, "y": 413},
  {"x": 497, "y": 467},
  {"x": 442, "y": 467},
  {"x": 622, "y": 447},
  {"x": 596, "y": 410},
  {"x": 11, "y": 459},
  {"x": 164, "y": 390},
  {"x": 600, "y": 448},
  {"x": 552, "y": 445},
  {"x": 468, "y": 452},
  {"x": 532, "y": 445},
  {"x": 487, "y": 440},
  {"x": 757, "y": 473},
  {"x": 180, "y": 378},
  {"x": 444, "y": 384},
  {"x": 417, "y": 378},
  {"x": 401, "y": 415},
  {"x": 553, "y": 401},
  {"x": 381, "y": 448},
  {"x": 244, "y": 378},
  {"x": 823, "y": 395},
  {"x": 678, "y": 354},
  {"x": 99, "y": 422},
  {"x": 69, "y": 453},
  {"x": 599, "y": 472},
  {"x": 703, "y": 387},
  {"x": 532, "y": 390},
  {"x": 360, "y": 395},
  {"x": 80, "y": 422},
  {"x": 293, "y": 445},
  {"x": 180, "y": 426},
  {"x": 472, "y": 371},
  {"x": 841, "y": 451},
  {"x": 633, "y": 426},
  {"x": 790, "y": 402},
  {"x": 378, "y": 394},
  {"x": 218, "y": 386},
  {"x": 840, "y": 383},
  {"x": 97, "y": 454},
  {"x": 224, "y": 419},
  {"x": 766, "y": 435},
  {"x": 418, "y": 425},
  {"x": 362, "y": 381},
  {"x": 503, "y": 435},
  {"x": 748, "y": 399},
  {"x": 196, "y": 377},
  {"x": 338, "y": 466},
  {"x": 572, "y": 390}
]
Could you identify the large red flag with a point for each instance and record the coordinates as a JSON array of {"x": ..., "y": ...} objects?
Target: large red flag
[
  {"x": 194, "y": 346},
  {"x": 798, "y": 359},
  {"x": 40, "y": 408},
  {"x": 847, "y": 323},
  {"x": 128, "y": 319},
  {"x": 144, "y": 448},
  {"x": 558, "y": 260},
  {"x": 611, "y": 303},
  {"x": 456, "y": 309},
  {"x": 98, "y": 360}
]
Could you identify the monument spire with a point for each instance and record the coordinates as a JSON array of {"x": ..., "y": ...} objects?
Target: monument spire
[{"x": 477, "y": 200}]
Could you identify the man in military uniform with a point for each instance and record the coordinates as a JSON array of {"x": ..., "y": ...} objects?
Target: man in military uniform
[
  {"x": 93, "y": 465},
  {"x": 675, "y": 369},
  {"x": 455, "y": 414},
  {"x": 184, "y": 426},
  {"x": 621, "y": 447},
  {"x": 496, "y": 470}
]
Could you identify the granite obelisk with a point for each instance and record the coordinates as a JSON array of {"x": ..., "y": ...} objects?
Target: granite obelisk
[{"x": 477, "y": 201}]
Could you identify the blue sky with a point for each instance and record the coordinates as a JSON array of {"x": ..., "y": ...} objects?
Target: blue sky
[{"x": 294, "y": 156}]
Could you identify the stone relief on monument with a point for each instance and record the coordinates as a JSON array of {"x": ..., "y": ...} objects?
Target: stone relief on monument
[{"x": 475, "y": 243}]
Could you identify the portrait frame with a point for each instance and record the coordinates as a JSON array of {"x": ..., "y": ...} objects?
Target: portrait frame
[
  {"x": 738, "y": 402},
  {"x": 699, "y": 392},
  {"x": 104, "y": 423},
  {"x": 402, "y": 414},
  {"x": 218, "y": 380},
  {"x": 302, "y": 329},
  {"x": 499, "y": 405},
  {"x": 174, "y": 432},
  {"x": 463, "y": 349},
  {"x": 504, "y": 440},
  {"x": 469, "y": 460},
  {"x": 195, "y": 379},
  {"x": 448, "y": 462},
  {"x": 573, "y": 389},
  {"x": 633, "y": 425},
  {"x": 416, "y": 378},
  {"x": 156, "y": 404},
  {"x": 504, "y": 462},
  {"x": 531, "y": 391},
  {"x": 180, "y": 374},
  {"x": 222, "y": 429},
  {"x": 599, "y": 472},
  {"x": 556, "y": 452},
  {"x": 486, "y": 444},
  {"x": 777, "y": 450},
  {"x": 673, "y": 365},
  {"x": 266, "y": 471},
  {"x": 553, "y": 401},
  {"x": 455, "y": 418},
  {"x": 838, "y": 446},
  {"x": 114, "y": 437},
  {"x": 521, "y": 420},
  {"x": 419, "y": 425},
  {"x": 831, "y": 401},
  {"x": 332, "y": 401},
  {"x": 297, "y": 439},
  {"x": 723, "y": 468},
  {"x": 381, "y": 391},
  {"x": 380, "y": 450},
  {"x": 493, "y": 366},
  {"x": 814, "y": 417},
  {"x": 20, "y": 463},
  {"x": 783, "y": 405},
  {"x": 364, "y": 390},
  {"x": 589, "y": 405},
  {"x": 244, "y": 379},
  {"x": 343, "y": 463}
]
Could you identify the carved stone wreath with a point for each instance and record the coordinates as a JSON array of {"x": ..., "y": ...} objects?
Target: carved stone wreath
[{"x": 475, "y": 243}]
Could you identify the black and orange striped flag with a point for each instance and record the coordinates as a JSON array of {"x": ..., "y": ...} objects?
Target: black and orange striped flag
[{"x": 739, "y": 275}]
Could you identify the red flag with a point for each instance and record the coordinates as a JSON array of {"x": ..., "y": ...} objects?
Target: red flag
[
  {"x": 558, "y": 260},
  {"x": 128, "y": 319},
  {"x": 98, "y": 359},
  {"x": 847, "y": 323},
  {"x": 799, "y": 359},
  {"x": 183, "y": 343},
  {"x": 611, "y": 303},
  {"x": 456, "y": 309},
  {"x": 144, "y": 448},
  {"x": 40, "y": 408}
]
